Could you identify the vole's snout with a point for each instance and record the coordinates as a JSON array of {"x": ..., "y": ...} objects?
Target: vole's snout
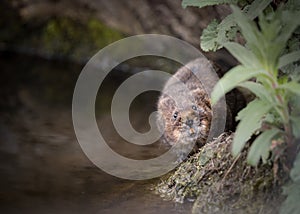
[
  {"x": 188, "y": 118},
  {"x": 189, "y": 122}
]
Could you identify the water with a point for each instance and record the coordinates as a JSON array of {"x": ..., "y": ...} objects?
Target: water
[{"x": 42, "y": 167}]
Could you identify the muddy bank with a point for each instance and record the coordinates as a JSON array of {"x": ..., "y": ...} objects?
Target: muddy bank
[{"x": 217, "y": 182}]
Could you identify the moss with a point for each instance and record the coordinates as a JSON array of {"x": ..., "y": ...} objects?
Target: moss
[
  {"x": 102, "y": 35},
  {"x": 220, "y": 183},
  {"x": 65, "y": 36}
]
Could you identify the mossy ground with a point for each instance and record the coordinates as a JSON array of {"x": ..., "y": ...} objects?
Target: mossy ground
[{"x": 219, "y": 183}]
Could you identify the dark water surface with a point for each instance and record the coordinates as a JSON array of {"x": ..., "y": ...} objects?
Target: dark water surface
[{"x": 42, "y": 167}]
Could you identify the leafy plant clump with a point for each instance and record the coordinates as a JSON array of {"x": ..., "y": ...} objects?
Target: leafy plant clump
[
  {"x": 271, "y": 112},
  {"x": 268, "y": 51},
  {"x": 220, "y": 183}
]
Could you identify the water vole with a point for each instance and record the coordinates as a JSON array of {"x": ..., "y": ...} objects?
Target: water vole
[{"x": 184, "y": 107}]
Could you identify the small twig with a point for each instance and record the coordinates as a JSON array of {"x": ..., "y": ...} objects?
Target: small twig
[{"x": 230, "y": 168}]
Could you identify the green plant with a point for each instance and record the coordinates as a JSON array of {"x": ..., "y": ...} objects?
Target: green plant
[
  {"x": 291, "y": 205},
  {"x": 217, "y": 33},
  {"x": 270, "y": 59},
  {"x": 261, "y": 59}
]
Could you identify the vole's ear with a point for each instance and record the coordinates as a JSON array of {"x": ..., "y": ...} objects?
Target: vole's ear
[
  {"x": 201, "y": 97},
  {"x": 165, "y": 104}
]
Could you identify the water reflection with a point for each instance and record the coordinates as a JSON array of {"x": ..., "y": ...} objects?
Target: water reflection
[{"x": 42, "y": 168}]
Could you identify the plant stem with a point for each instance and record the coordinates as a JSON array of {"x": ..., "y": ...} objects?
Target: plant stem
[{"x": 284, "y": 113}]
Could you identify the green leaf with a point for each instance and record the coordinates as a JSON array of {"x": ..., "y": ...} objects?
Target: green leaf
[
  {"x": 215, "y": 35},
  {"x": 257, "y": 7},
  {"x": 289, "y": 58},
  {"x": 291, "y": 204},
  {"x": 295, "y": 74},
  {"x": 295, "y": 172},
  {"x": 292, "y": 86},
  {"x": 256, "y": 88},
  {"x": 292, "y": 5},
  {"x": 294, "y": 105},
  {"x": 248, "y": 28},
  {"x": 261, "y": 147},
  {"x": 224, "y": 28},
  {"x": 242, "y": 54},
  {"x": 204, "y": 3},
  {"x": 231, "y": 34},
  {"x": 296, "y": 126},
  {"x": 209, "y": 37},
  {"x": 269, "y": 25},
  {"x": 251, "y": 118},
  {"x": 292, "y": 71},
  {"x": 293, "y": 43},
  {"x": 290, "y": 22},
  {"x": 231, "y": 79},
  {"x": 295, "y": 115}
]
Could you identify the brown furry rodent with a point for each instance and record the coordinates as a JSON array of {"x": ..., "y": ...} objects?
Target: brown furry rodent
[{"x": 184, "y": 108}]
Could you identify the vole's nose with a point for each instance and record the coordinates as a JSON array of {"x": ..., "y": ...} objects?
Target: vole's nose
[
  {"x": 188, "y": 117},
  {"x": 189, "y": 122}
]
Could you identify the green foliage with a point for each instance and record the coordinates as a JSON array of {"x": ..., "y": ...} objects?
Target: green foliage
[
  {"x": 209, "y": 38},
  {"x": 291, "y": 205},
  {"x": 271, "y": 59},
  {"x": 289, "y": 58},
  {"x": 204, "y": 3},
  {"x": 232, "y": 79},
  {"x": 216, "y": 34},
  {"x": 250, "y": 121},
  {"x": 260, "y": 58},
  {"x": 295, "y": 115},
  {"x": 261, "y": 147},
  {"x": 292, "y": 51},
  {"x": 257, "y": 89}
]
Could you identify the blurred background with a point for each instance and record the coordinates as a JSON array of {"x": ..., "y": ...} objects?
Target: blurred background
[{"x": 44, "y": 44}]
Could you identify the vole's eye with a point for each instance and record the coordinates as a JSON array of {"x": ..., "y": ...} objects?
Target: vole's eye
[
  {"x": 175, "y": 115},
  {"x": 194, "y": 107}
]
